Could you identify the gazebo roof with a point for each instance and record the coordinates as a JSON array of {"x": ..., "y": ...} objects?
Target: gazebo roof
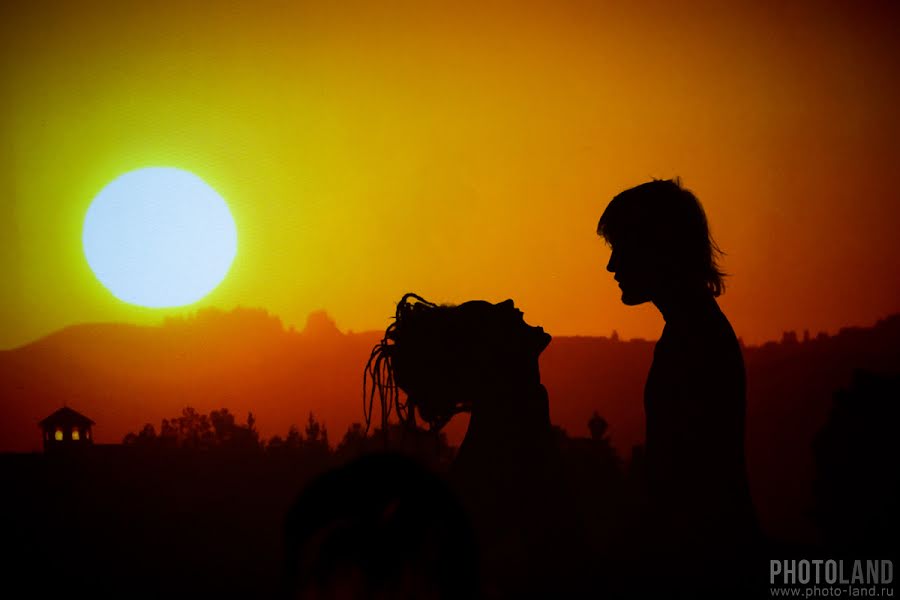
[{"x": 66, "y": 417}]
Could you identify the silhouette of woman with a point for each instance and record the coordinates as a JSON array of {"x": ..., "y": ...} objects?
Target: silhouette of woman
[
  {"x": 482, "y": 358},
  {"x": 694, "y": 398}
]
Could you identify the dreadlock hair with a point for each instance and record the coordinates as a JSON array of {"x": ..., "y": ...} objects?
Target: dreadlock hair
[{"x": 424, "y": 338}]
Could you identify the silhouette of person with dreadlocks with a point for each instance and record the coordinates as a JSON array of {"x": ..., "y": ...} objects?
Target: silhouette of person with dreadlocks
[
  {"x": 482, "y": 358},
  {"x": 694, "y": 398}
]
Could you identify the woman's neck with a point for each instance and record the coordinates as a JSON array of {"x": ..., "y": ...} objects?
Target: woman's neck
[{"x": 685, "y": 302}]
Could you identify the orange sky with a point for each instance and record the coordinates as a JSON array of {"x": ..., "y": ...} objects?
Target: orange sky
[{"x": 460, "y": 151}]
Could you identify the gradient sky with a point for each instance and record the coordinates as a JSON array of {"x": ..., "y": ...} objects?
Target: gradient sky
[{"x": 460, "y": 151}]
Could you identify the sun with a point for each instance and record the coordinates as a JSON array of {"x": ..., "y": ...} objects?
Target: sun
[{"x": 159, "y": 237}]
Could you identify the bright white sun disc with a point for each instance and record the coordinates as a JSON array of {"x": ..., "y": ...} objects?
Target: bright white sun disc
[{"x": 159, "y": 237}]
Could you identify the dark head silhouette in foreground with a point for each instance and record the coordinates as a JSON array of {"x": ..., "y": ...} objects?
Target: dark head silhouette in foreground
[
  {"x": 694, "y": 399},
  {"x": 482, "y": 358},
  {"x": 381, "y": 527}
]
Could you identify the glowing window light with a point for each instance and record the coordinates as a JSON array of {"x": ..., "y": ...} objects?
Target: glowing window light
[
  {"x": 58, "y": 436},
  {"x": 76, "y": 435}
]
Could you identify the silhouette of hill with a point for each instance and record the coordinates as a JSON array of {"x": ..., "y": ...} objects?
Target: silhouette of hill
[
  {"x": 123, "y": 376},
  {"x": 790, "y": 389}
]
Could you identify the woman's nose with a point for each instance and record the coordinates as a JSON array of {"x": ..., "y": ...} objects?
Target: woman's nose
[{"x": 611, "y": 265}]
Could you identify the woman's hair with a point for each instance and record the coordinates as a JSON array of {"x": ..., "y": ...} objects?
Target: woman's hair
[
  {"x": 667, "y": 218},
  {"x": 419, "y": 340},
  {"x": 440, "y": 355}
]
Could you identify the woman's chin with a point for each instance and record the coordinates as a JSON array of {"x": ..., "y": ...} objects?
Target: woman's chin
[
  {"x": 633, "y": 299},
  {"x": 544, "y": 339}
]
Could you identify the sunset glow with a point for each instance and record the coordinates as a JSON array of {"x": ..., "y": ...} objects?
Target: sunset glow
[
  {"x": 461, "y": 153},
  {"x": 313, "y": 299}
]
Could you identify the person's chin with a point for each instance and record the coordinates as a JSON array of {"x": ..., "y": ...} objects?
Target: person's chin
[
  {"x": 631, "y": 299},
  {"x": 541, "y": 338},
  {"x": 545, "y": 339}
]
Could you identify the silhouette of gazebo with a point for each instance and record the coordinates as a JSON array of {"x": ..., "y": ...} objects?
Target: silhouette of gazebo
[{"x": 66, "y": 428}]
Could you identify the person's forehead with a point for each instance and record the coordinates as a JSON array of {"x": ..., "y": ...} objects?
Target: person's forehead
[
  {"x": 476, "y": 305},
  {"x": 484, "y": 309},
  {"x": 636, "y": 236}
]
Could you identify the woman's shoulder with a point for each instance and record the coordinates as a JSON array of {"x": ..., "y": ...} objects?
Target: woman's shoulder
[{"x": 707, "y": 339}]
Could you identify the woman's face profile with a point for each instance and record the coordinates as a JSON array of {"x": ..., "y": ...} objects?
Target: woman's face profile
[
  {"x": 639, "y": 268},
  {"x": 502, "y": 326},
  {"x": 464, "y": 350}
]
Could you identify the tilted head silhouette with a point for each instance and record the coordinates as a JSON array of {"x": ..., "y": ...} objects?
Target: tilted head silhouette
[
  {"x": 443, "y": 356},
  {"x": 660, "y": 242},
  {"x": 482, "y": 358}
]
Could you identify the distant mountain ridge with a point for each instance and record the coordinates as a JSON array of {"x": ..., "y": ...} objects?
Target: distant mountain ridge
[{"x": 123, "y": 376}]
